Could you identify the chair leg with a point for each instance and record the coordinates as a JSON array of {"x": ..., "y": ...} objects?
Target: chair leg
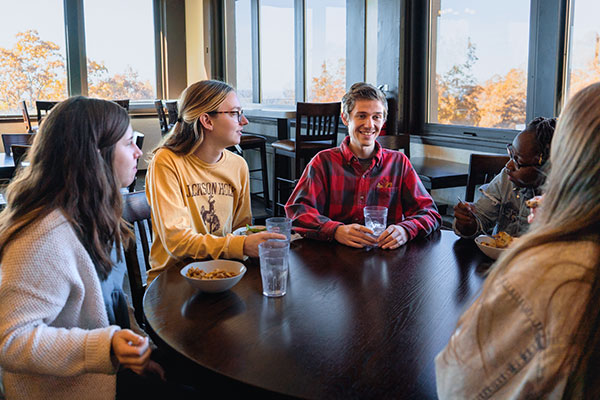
[{"x": 265, "y": 175}]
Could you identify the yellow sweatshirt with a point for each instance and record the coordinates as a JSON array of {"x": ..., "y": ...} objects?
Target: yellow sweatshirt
[{"x": 195, "y": 207}]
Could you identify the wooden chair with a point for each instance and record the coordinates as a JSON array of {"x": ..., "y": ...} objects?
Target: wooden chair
[
  {"x": 162, "y": 118},
  {"x": 139, "y": 142},
  {"x": 26, "y": 118},
  {"x": 482, "y": 169},
  {"x": 316, "y": 130},
  {"x": 396, "y": 142},
  {"x": 137, "y": 212},
  {"x": 43, "y": 108},
  {"x": 172, "y": 111},
  {"x": 259, "y": 143},
  {"x": 9, "y": 139},
  {"x": 18, "y": 152},
  {"x": 123, "y": 103}
]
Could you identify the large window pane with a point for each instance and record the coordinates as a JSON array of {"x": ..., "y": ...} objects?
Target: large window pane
[
  {"x": 478, "y": 63},
  {"x": 32, "y": 53},
  {"x": 325, "y": 50},
  {"x": 120, "y": 49},
  {"x": 277, "y": 51},
  {"x": 243, "y": 50},
  {"x": 584, "y": 46}
]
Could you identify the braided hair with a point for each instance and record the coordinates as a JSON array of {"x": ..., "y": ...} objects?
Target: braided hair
[{"x": 544, "y": 130}]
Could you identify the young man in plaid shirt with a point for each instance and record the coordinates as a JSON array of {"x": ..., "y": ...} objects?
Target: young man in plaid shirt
[{"x": 338, "y": 183}]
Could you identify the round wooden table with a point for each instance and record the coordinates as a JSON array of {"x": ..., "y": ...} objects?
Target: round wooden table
[{"x": 353, "y": 324}]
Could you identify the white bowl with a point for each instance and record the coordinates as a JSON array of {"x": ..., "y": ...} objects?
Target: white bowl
[
  {"x": 489, "y": 250},
  {"x": 215, "y": 285}
]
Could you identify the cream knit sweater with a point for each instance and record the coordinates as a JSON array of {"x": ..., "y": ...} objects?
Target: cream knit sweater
[{"x": 55, "y": 339}]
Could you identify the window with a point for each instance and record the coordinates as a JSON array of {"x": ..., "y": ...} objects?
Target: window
[
  {"x": 243, "y": 50},
  {"x": 32, "y": 53},
  {"x": 478, "y": 57},
  {"x": 120, "y": 49},
  {"x": 325, "y": 50},
  {"x": 584, "y": 46},
  {"x": 276, "y": 65},
  {"x": 277, "y": 51}
]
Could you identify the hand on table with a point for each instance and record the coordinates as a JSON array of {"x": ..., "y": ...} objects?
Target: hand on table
[
  {"x": 355, "y": 235},
  {"x": 132, "y": 350},
  {"x": 465, "y": 218},
  {"x": 252, "y": 241},
  {"x": 393, "y": 237}
]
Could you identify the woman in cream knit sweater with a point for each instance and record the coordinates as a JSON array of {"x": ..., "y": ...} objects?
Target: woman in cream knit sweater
[{"x": 57, "y": 334}]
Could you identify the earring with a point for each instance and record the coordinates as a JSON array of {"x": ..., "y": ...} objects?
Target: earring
[{"x": 540, "y": 161}]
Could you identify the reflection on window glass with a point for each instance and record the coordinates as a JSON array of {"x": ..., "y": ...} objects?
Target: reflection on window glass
[
  {"x": 584, "y": 46},
  {"x": 277, "y": 51},
  {"x": 325, "y": 50},
  {"x": 243, "y": 50},
  {"x": 120, "y": 49},
  {"x": 32, "y": 54},
  {"x": 478, "y": 63}
]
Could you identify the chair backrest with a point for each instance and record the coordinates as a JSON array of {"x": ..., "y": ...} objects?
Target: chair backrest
[
  {"x": 43, "y": 108},
  {"x": 172, "y": 112},
  {"x": 139, "y": 142},
  {"x": 137, "y": 212},
  {"x": 18, "y": 153},
  {"x": 8, "y": 139},
  {"x": 482, "y": 169},
  {"x": 26, "y": 118},
  {"x": 123, "y": 103},
  {"x": 162, "y": 118},
  {"x": 396, "y": 142},
  {"x": 315, "y": 122}
]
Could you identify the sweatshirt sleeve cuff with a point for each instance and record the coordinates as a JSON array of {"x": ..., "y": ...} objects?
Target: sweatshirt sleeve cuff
[
  {"x": 235, "y": 249},
  {"x": 97, "y": 350}
]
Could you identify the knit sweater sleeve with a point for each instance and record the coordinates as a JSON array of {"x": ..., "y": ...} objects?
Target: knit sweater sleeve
[{"x": 49, "y": 324}]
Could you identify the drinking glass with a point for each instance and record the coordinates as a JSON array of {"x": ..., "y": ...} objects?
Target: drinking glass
[
  {"x": 376, "y": 220},
  {"x": 281, "y": 225},
  {"x": 274, "y": 266}
]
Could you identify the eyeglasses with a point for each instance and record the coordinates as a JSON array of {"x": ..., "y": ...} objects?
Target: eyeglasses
[
  {"x": 238, "y": 113},
  {"x": 511, "y": 154}
]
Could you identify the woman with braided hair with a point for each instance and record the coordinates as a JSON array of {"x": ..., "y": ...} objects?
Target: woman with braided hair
[{"x": 502, "y": 204}]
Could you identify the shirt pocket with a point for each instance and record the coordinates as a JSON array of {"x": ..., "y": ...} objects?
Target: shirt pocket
[{"x": 382, "y": 196}]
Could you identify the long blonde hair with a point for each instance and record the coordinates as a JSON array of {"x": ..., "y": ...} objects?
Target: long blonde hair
[
  {"x": 570, "y": 212},
  {"x": 197, "y": 99}
]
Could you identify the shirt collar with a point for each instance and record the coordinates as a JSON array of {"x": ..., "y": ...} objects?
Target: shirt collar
[{"x": 349, "y": 156}]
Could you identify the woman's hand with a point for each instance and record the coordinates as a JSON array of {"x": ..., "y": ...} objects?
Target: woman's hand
[
  {"x": 252, "y": 241},
  {"x": 132, "y": 350},
  {"x": 465, "y": 218}
]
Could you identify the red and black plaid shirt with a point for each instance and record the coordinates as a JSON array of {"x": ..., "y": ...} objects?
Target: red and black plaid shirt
[{"x": 334, "y": 189}]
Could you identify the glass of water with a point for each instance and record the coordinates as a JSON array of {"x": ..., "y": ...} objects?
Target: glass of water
[
  {"x": 375, "y": 219},
  {"x": 274, "y": 266}
]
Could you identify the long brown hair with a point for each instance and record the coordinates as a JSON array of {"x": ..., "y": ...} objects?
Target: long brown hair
[
  {"x": 197, "y": 99},
  {"x": 570, "y": 212},
  {"x": 71, "y": 169}
]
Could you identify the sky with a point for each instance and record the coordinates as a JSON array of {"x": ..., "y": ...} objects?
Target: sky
[{"x": 119, "y": 33}]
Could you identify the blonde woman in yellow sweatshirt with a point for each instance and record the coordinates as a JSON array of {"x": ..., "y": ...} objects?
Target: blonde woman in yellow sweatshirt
[{"x": 199, "y": 192}]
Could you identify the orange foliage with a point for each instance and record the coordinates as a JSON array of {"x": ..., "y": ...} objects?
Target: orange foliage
[
  {"x": 329, "y": 87},
  {"x": 35, "y": 69},
  {"x": 581, "y": 78}
]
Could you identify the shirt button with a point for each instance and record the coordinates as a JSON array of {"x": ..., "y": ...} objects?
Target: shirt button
[{"x": 362, "y": 197}]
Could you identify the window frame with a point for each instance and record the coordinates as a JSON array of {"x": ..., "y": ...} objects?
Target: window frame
[
  {"x": 546, "y": 63},
  {"x": 355, "y": 60}
]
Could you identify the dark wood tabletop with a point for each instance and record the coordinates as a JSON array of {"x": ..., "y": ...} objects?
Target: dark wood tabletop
[
  {"x": 353, "y": 324},
  {"x": 439, "y": 174}
]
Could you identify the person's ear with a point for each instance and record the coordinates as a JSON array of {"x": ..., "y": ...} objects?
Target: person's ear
[
  {"x": 344, "y": 119},
  {"x": 206, "y": 122}
]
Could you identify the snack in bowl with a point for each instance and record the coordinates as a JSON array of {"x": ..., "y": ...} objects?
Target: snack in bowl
[
  {"x": 501, "y": 240},
  {"x": 491, "y": 245},
  {"x": 212, "y": 279},
  {"x": 249, "y": 230}
]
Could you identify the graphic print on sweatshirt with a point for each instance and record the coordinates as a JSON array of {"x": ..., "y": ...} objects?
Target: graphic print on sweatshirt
[{"x": 209, "y": 192}]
